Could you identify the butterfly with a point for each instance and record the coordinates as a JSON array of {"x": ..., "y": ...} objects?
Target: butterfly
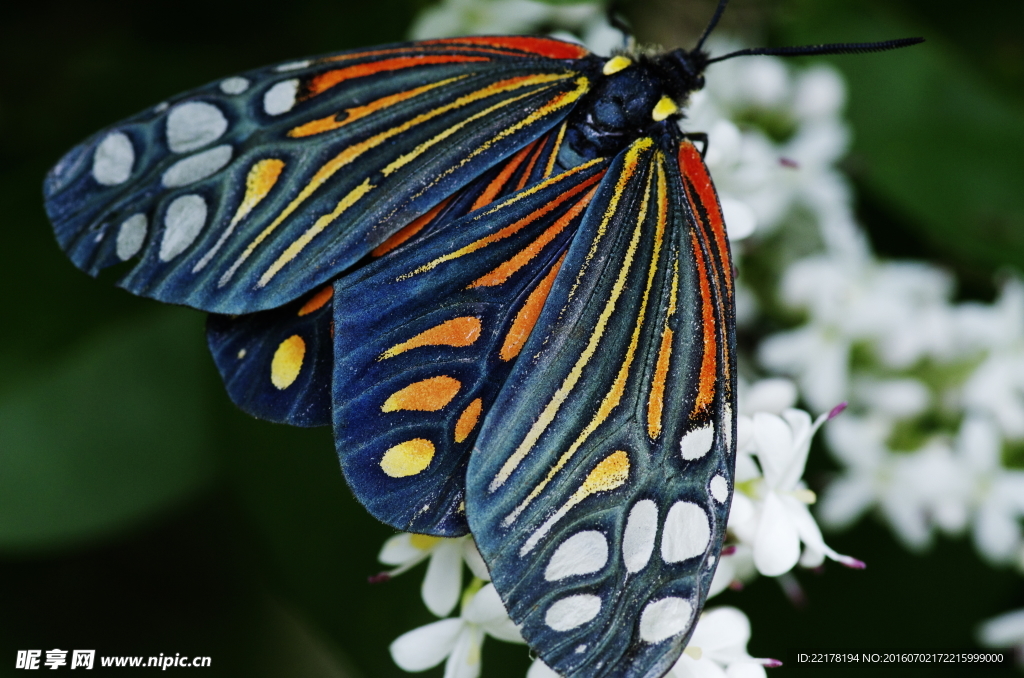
[{"x": 499, "y": 269}]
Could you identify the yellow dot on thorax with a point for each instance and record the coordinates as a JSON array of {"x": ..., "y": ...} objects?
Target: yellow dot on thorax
[
  {"x": 664, "y": 108},
  {"x": 616, "y": 64}
]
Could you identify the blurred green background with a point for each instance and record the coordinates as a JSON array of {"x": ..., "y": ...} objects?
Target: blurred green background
[{"x": 140, "y": 513}]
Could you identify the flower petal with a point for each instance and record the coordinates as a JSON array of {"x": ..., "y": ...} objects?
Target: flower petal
[
  {"x": 399, "y": 550},
  {"x": 443, "y": 583},
  {"x": 777, "y": 544},
  {"x": 810, "y": 534},
  {"x": 485, "y": 606},
  {"x": 774, "y": 447},
  {"x": 539, "y": 669},
  {"x": 464, "y": 661},
  {"x": 426, "y": 646}
]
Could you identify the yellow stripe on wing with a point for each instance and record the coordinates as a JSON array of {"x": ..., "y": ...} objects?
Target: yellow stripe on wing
[
  {"x": 614, "y": 395},
  {"x": 351, "y": 153},
  {"x": 547, "y": 415}
]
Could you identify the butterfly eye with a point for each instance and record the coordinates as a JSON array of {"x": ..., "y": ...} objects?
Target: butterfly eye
[
  {"x": 616, "y": 64},
  {"x": 663, "y": 109}
]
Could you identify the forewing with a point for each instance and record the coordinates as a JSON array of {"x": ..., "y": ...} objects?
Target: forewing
[
  {"x": 277, "y": 364},
  {"x": 601, "y": 482},
  {"x": 247, "y": 193},
  {"x": 425, "y": 338}
]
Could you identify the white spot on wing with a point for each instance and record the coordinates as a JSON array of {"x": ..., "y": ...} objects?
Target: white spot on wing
[
  {"x": 293, "y": 66},
  {"x": 198, "y": 166},
  {"x": 728, "y": 427},
  {"x": 582, "y": 553},
  {"x": 697, "y": 442},
  {"x": 161, "y": 107},
  {"x": 719, "y": 488},
  {"x": 185, "y": 218},
  {"x": 572, "y": 611},
  {"x": 113, "y": 159},
  {"x": 131, "y": 235},
  {"x": 638, "y": 537},
  {"x": 235, "y": 85},
  {"x": 662, "y": 619},
  {"x": 687, "y": 532},
  {"x": 281, "y": 97},
  {"x": 194, "y": 124}
]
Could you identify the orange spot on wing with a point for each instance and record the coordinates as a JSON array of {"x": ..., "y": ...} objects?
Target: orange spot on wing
[
  {"x": 323, "y": 82},
  {"x": 428, "y": 395},
  {"x": 527, "y": 317},
  {"x": 612, "y": 472},
  {"x": 553, "y": 49},
  {"x": 709, "y": 362},
  {"x": 317, "y": 301},
  {"x": 456, "y": 332},
  {"x": 494, "y": 188},
  {"x": 468, "y": 420},
  {"x": 409, "y": 230}
]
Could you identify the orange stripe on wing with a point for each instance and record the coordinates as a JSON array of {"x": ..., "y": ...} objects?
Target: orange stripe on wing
[
  {"x": 545, "y": 47},
  {"x": 528, "y": 315},
  {"x": 323, "y": 82},
  {"x": 694, "y": 169},
  {"x": 333, "y": 122},
  {"x": 409, "y": 230},
  {"x": 505, "y": 270},
  {"x": 494, "y": 188},
  {"x": 709, "y": 362}
]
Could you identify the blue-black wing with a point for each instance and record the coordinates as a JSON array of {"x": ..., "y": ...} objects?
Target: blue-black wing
[
  {"x": 247, "y": 193},
  {"x": 426, "y": 337},
  {"x": 602, "y": 477},
  {"x": 278, "y": 364}
]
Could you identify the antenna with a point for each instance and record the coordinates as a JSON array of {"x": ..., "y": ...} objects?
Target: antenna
[
  {"x": 809, "y": 50},
  {"x": 711, "y": 24}
]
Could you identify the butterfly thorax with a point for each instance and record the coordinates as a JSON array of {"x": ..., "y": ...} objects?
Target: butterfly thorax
[{"x": 634, "y": 95}]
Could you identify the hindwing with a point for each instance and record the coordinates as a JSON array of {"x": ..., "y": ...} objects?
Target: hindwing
[
  {"x": 426, "y": 337},
  {"x": 247, "y": 193},
  {"x": 600, "y": 487}
]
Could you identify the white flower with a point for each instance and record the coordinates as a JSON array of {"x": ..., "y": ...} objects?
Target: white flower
[
  {"x": 997, "y": 494},
  {"x": 1006, "y": 630},
  {"x": 900, "y": 309},
  {"x": 459, "y": 639},
  {"x": 735, "y": 567},
  {"x": 775, "y": 519},
  {"x": 443, "y": 581},
  {"x": 473, "y": 17},
  {"x": 767, "y": 395},
  {"x": 718, "y": 648},
  {"x": 538, "y": 669}
]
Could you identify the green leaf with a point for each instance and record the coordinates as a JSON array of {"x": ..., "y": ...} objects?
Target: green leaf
[
  {"x": 106, "y": 436},
  {"x": 934, "y": 139}
]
